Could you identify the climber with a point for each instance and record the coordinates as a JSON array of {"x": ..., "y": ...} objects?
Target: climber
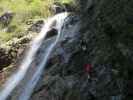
[{"x": 88, "y": 69}]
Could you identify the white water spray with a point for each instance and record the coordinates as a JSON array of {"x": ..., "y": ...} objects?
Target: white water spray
[
  {"x": 32, "y": 83},
  {"x": 30, "y": 86},
  {"x": 15, "y": 79}
]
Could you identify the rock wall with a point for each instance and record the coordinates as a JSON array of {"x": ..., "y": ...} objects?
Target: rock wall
[
  {"x": 104, "y": 43},
  {"x": 107, "y": 27},
  {"x": 94, "y": 59}
]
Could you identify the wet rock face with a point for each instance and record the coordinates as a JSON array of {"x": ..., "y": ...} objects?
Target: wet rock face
[
  {"x": 52, "y": 33},
  {"x": 105, "y": 42},
  {"x": 60, "y": 57}
]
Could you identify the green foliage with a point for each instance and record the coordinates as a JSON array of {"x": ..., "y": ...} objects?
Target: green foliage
[
  {"x": 27, "y": 8},
  {"x": 66, "y": 1},
  {"x": 4, "y": 37},
  {"x": 24, "y": 10}
]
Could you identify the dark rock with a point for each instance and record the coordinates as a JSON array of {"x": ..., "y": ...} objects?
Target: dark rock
[
  {"x": 68, "y": 7},
  {"x": 84, "y": 5},
  {"x": 58, "y": 8},
  {"x": 37, "y": 26},
  {"x": 5, "y": 59},
  {"x": 6, "y": 18},
  {"x": 109, "y": 40},
  {"x": 51, "y": 32},
  {"x": 130, "y": 88}
]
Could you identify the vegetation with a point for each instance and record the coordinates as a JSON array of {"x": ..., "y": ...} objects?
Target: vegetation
[
  {"x": 24, "y": 10},
  {"x": 65, "y": 1}
]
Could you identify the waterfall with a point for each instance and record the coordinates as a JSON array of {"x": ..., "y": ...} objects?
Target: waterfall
[
  {"x": 30, "y": 86},
  {"x": 19, "y": 75}
]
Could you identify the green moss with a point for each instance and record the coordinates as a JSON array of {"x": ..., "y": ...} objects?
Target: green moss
[
  {"x": 66, "y": 1},
  {"x": 23, "y": 11},
  {"x": 4, "y": 37}
]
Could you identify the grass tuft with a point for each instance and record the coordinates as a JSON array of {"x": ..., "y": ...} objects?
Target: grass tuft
[{"x": 24, "y": 10}]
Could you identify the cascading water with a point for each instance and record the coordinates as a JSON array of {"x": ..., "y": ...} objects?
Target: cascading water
[
  {"x": 15, "y": 79},
  {"x": 30, "y": 86},
  {"x": 32, "y": 83}
]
